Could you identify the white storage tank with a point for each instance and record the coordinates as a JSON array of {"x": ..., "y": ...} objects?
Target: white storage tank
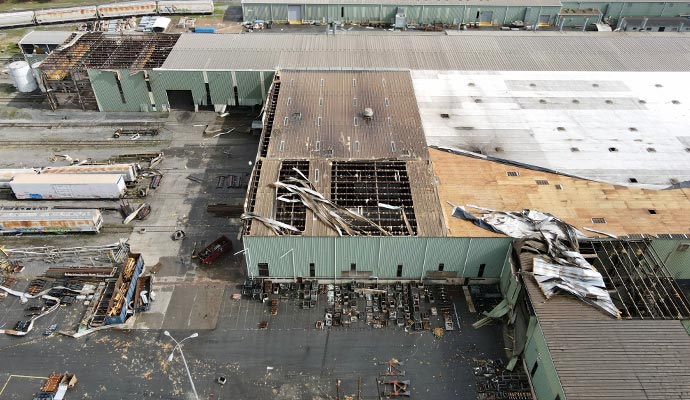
[
  {"x": 68, "y": 186},
  {"x": 22, "y": 77},
  {"x": 160, "y": 24}
]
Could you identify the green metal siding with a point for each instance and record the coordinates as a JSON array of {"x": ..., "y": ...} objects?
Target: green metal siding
[
  {"x": 104, "y": 85},
  {"x": 177, "y": 80},
  {"x": 358, "y": 13},
  {"x": 545, "y": 381},
  {"x": 249, "y": 87},
  {"x": 489, "y": 251},
  {"x": 134, "y": 87},
  {"x": 316, "y": 12},
  {"x": 379, "y": 255},
  {"x": 133, "y": 83},
  {"x": 268, "y": 80},
  {"x": 220, "y": 86},
  {"x": 677, "y": 262},
  {"x": 451, "y": 252}
]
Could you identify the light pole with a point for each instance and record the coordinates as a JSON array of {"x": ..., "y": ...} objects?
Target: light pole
[{"x": 178, "y": 345}]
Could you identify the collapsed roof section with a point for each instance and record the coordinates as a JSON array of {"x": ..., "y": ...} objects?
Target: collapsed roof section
[
  {"x": 342, "y": 153},
  {"x": 557, "y": 265},
  {"x": 98, "y": 50}
]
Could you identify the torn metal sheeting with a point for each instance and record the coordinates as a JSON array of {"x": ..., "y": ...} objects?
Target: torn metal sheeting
[
  {"x": 558, "y": 265},
  {"x": 340, "y": 219},
  {"x": 276, "y": 226}
]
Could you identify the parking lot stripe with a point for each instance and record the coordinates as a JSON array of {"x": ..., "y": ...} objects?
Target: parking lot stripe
[{"x": 19, "y": 376}]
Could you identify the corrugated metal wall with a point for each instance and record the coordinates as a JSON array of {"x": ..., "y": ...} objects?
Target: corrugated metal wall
[
  {"x": 545, "y": 379},
  {"x": 221, "y": 87},
  {"x": 489, "y": 251},
  {"x": 419, "y": 14},
  {"x": 134, "y": 90},
  {"x": 177, "y": 80},
  {"x": 634, "y": 9},
  {"x": 677, "y": 262},
  {"x": 378, "y": 255},
  {"x": 249, "y": 87}
]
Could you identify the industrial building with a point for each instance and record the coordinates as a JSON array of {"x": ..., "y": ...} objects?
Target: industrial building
[
  {"x": 535, "y": 14},
  {"x": 344, "y": 189},
  {"x": 403, "y": 13}
]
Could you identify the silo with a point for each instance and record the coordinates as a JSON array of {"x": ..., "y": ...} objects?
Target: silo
[{"x": 22, "y": 76}]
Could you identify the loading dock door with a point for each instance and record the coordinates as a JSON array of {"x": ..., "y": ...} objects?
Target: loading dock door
[
  {"x": 180, "y": 100},
  {"x": 485, "y": 18},
  {"x": 295, "y": 14}
]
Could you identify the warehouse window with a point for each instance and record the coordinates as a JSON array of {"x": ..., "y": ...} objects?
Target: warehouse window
[
  {"x": 353, "y": 267},
  {"x": 263, "y": 269},
  {"x": 480, "y": 274},
  {"x": 342, "y": 12},
  {"x": 317, "y": 145},
  {"x": 312, "y": 270},
  {"x": 534, "y": 369},
  {"x": 316, "y": 175},
  {"x": 399, "y": 273},
  {"x": 441, "y": 266}
]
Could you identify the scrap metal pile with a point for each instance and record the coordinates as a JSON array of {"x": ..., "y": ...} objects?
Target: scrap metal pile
[
  {"x": 557, "y": 264},
  {"x": 342, "y": 220}
]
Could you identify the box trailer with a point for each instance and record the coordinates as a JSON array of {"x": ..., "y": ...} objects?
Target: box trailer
[
  {"x": 68, "y": 186},
  {"x": 50, "y": 221},
  {"x": 6, "y": 175},
  {"x": 126, "y": 9},
  {"x": 128, "y": 171},
  {"x": 56, "y": 15}
]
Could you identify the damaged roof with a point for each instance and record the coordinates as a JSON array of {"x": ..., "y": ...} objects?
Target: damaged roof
[
  {"x": 597, "y": 356},
  {"x": 327, "y": 168},
  {"x": 582, "y": 203}
]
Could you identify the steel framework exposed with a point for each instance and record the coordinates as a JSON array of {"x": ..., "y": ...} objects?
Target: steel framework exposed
[
  {"x": 640, "y": 284},
  {"x": 64, "y": 71}
]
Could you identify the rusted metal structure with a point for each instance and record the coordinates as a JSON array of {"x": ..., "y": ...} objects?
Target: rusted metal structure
[{"x": 64, "y": 73}]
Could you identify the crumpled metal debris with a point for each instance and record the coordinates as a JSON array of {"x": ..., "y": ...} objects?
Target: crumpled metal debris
[
  {"x": 342, "y": 220},
  {"x": 559, "y": 267},
  {"x": 279, "y": 228}
]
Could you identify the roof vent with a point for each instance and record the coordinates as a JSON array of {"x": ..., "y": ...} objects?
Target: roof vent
[{"x": 368, "y": 114}]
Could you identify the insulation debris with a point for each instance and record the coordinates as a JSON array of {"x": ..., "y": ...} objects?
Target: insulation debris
[
  {"x": 559, "y": 266},
  {"x": 342, "y": 220}
]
